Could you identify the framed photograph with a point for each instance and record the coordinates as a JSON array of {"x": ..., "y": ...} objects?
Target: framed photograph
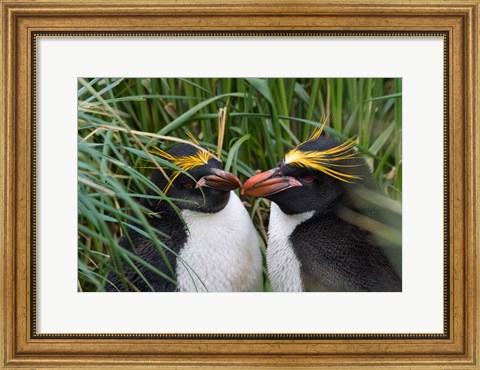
[{"x": 212, "y": 185}]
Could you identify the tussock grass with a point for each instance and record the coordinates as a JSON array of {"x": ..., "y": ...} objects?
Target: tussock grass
[{"x": 121, "y": 119}]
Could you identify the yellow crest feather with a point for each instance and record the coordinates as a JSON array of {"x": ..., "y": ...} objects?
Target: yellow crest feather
[
  {"x": 192, "y": 138},
  {"x": 316, "y": 134},
  {"x": 186, "y": 163},
  {"x": 325, "y": 161}
]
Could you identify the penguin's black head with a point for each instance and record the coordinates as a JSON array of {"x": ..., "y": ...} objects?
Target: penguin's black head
[
  {"x": 312, "y": 176},
  {"x": 205, "y": 187}
]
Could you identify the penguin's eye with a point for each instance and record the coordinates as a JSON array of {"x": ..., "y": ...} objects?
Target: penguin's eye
[
  {"x": 307, "y": 177},
  {"x": 188, "y": 184}
]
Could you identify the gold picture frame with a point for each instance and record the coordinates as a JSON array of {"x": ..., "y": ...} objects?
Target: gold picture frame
[{"x": 458, "y": 347}]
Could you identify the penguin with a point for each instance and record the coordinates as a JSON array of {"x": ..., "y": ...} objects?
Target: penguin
[
  {"x": 316, "y": 236},
  {"x": 212, "y": 243}
]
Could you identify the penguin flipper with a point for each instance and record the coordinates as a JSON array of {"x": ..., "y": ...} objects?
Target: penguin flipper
[
  {"x": 349, "y": 262},
  {"x": 132, "y": 279}
]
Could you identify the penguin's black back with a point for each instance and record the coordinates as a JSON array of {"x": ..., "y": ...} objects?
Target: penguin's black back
[
  {"x": 338, "y": 256},
  {"x": 165, "y": 220}
]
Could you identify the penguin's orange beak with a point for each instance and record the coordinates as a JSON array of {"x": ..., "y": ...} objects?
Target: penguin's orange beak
[
  {"x": 268, "y": 183},
  {"x": 220, "y": 180}
]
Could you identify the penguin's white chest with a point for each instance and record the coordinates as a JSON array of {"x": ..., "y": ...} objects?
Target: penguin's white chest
[
  {"x": 222, "y": 251},
  {"x": 283, "y": 266}
]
